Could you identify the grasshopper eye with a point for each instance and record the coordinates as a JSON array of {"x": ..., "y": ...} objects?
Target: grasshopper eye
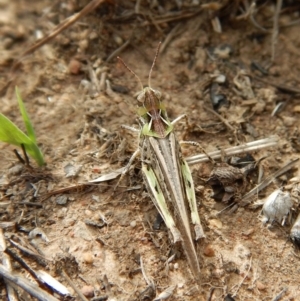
[
  {"x": 157, "y": 94},
  {"x": 141, "y": 97}
]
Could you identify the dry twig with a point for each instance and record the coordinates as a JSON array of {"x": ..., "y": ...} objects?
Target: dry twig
[
  {"x": 11, "y": 294},
  {"x": 61, "y": 27},
  {"x": 72, "y": 284},
  {"x": 275, "y": 29},
  {"x": 26, "y": 285},
  {"x": 246, "y": 275},
  {"x": 280, "y": 295},
  {"x": 246, "y": 198}
]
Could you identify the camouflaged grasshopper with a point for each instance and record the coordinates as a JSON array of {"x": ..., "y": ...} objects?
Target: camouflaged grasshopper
[{"x": 166, "y": 174}]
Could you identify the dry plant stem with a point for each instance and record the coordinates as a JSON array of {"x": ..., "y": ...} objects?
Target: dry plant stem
[
  {"x": 148, "y": 281},
  {"x": 22, "y": 161},
  {"x": 252, "y": 19},
  {"x": 167, "y": 19},
  {"x": 77, "y": 188},
  {"x": 137, "y": 7},
  {"x": 23, "y": 264},
  {"x": 267, "y": 181},
  {"x": 72, "y": 284},
  {"x": 280, "y": 295},
  {"x": 39, "y": 257},
  {"x": 25, "y": 155},
  {"x": 221, "y": 118},
  {"x": 26, "y": 285},
  {"x": 282, "y": 88},
  {"x": 11, "y": 294},
  {"x": 118, "y": 51},
  {"x": 62, "y": 26},
  {"x": 251, "y": 146},
  {"x": 93, "y": 77},
  {"x": 275, "y": 29},
  {"x": 246, "y": 275},
  {"x": 170, "y": 36}
]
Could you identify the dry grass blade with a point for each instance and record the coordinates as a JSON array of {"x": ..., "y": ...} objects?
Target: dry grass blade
[
  {"x": 61, "y": 27},
  {"x": 235, "y": 150}
]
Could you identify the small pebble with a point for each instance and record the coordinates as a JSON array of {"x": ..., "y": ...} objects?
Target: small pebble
[
  {"x": 288, "y": 120},
  {"x": 62, "y": 200},
  {"x": 93, "y": 35},
  {"x": 215, "y": 223},
  {"x": 133, "y": 224},
  {"x": 176, "y": 266},
  {"x": 74, "y": 67},
  {"x": 88, "y": 212},
  {"x": 118, "y": 40},
  {"x": 249, "y": 232},
  {"x": 15, "y": 170},
  {"x": 83, "y": 45},
  {"x": 62, "y": 213},
  {"x": 209, "y": 251},
  {"x": 296, "y": 109},
  {"x": 260, "y": 286},
  {"x": 88, "y": 258},
  {"x": 87, "y": 291}
]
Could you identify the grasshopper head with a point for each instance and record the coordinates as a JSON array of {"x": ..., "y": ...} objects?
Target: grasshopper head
[{"x": 151, "y": 109}]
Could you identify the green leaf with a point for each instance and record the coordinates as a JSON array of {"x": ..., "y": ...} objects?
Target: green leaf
[
  {"x": 26, "y": 119},
  {"x": 10, "y": 133}
]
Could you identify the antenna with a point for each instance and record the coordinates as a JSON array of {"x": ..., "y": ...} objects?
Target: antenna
[
  {"x": 139, "y": 80},
  {"x": 153, "y": 64}
]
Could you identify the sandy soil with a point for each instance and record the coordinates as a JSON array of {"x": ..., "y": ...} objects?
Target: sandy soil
[{"x": 103, "y": 235}]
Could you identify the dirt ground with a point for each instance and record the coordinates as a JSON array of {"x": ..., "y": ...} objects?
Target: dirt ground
[{"x": 78, "y": 96}]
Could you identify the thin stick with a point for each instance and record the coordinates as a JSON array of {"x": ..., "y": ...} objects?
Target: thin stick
[
  {"x": 266, "y": 182},
  {"x": 280, "y": 87},
  {"x": 19, "y": 157},
  {"x": 41, "y": 259},
  {"x": 22, "y": 263},
  {"x": 117, "y": 51},
  {"x": 61, "y": 27},
  {"x": 280, "y": 295},
  {"x": 275, "y": 29},
  {"x": 148, "y": 281},
  {"x": 25, "y": 155},
  {"x": 220, "y": 117},
  {"x": 170, "y": 36},
  {"x": 246, "y": 275},
  {"x": 26, "y": 285},
  {"x": 71, "y": 283},
  {"x": 11, "y": 294}
]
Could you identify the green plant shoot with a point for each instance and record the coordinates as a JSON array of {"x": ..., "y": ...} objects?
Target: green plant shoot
[{"x": 11, "y": 134}]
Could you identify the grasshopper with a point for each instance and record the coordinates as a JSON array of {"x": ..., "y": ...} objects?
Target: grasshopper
[{"x": 166, "y": 174}]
